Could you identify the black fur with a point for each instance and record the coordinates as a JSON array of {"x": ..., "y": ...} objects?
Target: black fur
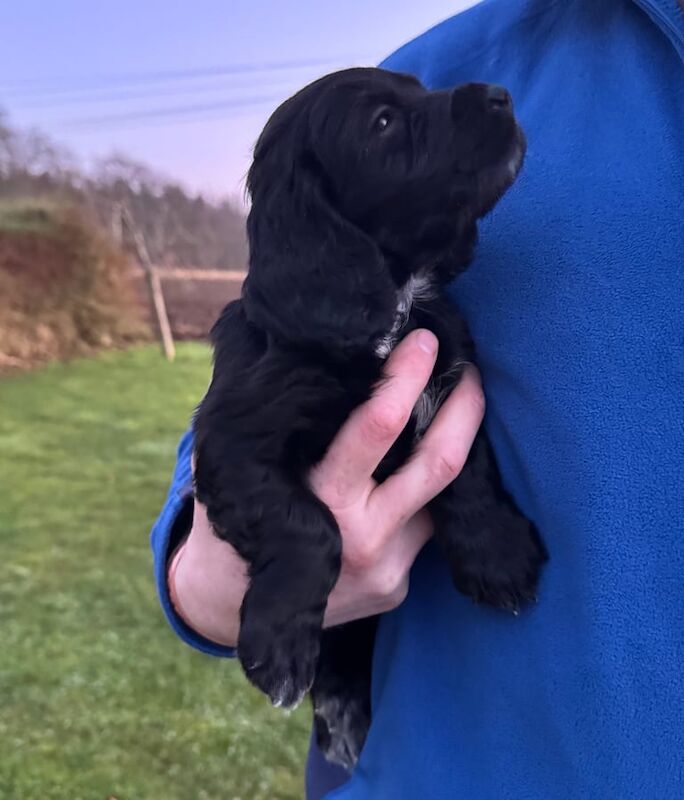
[{"x": 366, "y": 189}]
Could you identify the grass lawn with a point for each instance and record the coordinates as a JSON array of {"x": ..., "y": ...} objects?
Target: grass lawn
[{"x": 98, "y": 698}]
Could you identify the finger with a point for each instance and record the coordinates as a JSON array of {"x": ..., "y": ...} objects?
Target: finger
[
  {"x": 439, "y": 457},
  {"x": 345, "y": 473}
]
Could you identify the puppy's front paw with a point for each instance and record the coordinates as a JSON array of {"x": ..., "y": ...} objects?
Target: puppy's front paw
[
  {"x": 503, "y": 567},
  {"x": 280, "y": 658}
]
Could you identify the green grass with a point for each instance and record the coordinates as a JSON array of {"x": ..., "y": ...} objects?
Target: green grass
[{"x": 97, "y": 696}]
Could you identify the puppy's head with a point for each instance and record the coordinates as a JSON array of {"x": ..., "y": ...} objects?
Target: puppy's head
[{"x": 360, "y": 180}]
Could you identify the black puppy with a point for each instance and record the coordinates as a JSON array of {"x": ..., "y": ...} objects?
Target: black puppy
[{"x": 366, "y": 189}]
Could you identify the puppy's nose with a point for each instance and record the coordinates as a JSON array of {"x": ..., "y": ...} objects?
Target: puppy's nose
[{"x": 498, "y": 98}]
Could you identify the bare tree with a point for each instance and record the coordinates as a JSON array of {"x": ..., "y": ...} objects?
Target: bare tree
[{"x": 179, "y": 229}]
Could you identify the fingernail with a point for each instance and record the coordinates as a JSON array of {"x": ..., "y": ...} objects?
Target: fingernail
[{"x": 427, "y": 341}]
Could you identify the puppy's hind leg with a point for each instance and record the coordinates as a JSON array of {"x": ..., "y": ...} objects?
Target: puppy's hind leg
[
  {"x": 341, "y": 690},
  {"x": 494, "y": 552}
]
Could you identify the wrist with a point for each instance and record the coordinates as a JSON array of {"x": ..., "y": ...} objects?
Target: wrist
[{"x": 207, "y": 580}]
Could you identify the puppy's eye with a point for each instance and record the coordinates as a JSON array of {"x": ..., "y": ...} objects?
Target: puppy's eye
[{"x": 382, "y": 121}]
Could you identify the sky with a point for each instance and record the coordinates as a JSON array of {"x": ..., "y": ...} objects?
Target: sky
[{"x": 184, "y": 86}]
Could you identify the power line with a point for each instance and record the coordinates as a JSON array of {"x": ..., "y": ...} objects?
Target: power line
[
  {"x": 116, "y": 95},
  {"x": 172, "y": 113},
  {"x": 175, "y": 84},
  {"x": 218, "y": 116},
  {"x": 62, "y": 86}
]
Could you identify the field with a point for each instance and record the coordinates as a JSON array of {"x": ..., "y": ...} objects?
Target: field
[{"x": 98, "y": 698}]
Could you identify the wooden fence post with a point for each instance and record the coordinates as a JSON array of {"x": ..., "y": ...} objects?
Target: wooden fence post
[{"x": 154, "y": 284}]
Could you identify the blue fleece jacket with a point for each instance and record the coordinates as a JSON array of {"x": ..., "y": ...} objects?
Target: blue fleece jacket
[{"x": 576, "y": 303}]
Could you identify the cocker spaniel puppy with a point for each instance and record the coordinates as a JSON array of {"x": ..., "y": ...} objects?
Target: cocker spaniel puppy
[{"x": 366, "y": 189}]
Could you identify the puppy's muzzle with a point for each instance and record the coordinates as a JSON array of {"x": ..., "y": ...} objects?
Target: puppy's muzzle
[
  {"x": 488, "y": 98},
  {"x": 499, "y": 99}
]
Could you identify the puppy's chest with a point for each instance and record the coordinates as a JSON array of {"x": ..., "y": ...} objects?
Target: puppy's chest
[
  {"x": 415, "y": 291},
  {"x": 419, "y": 305}
]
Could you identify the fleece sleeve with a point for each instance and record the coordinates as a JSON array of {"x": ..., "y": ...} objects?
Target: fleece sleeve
[{"x": 172, "y": 525}]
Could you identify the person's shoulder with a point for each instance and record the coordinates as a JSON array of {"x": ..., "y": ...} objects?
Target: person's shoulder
[{"x": 450, "y": 52}]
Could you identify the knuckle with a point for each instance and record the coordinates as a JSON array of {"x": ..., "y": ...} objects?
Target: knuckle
[
  {"x": 386, "y": 420},
  {"x": 399, "y": 595},
  {"x": 364, "y": 555},
  {"x": 478, "y": 402},
  {"x": 317, "y": 482},
  {"x": 443, "y": 468},
  {"x": 328, "y": 489},
  {"x": 389, "y": 588}
]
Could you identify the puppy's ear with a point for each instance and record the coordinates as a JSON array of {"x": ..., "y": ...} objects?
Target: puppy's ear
[{"x": 314, "y": 277}]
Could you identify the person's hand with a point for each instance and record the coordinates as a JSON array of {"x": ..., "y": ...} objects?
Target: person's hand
[{"x": 383, "y": 526}]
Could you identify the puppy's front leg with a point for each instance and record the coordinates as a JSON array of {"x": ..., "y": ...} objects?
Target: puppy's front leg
[
  {"x": 292, "y": 574},
  {"x": 494, "y": 552}
]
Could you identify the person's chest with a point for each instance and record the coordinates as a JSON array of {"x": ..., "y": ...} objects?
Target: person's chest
[
  {"x": 575, "y": 298},
  {"x": 575, "y": 302}
]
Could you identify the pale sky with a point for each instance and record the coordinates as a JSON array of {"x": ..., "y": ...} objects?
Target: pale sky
[{"x": 175, "y": 84}]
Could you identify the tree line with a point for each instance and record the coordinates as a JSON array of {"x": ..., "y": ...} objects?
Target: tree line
[{"x": 179, "y": 229}]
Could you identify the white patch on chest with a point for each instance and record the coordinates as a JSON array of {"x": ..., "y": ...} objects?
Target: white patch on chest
[
  {"x": 417, "y": 287},
  {"x": 426, "y": 408}
]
